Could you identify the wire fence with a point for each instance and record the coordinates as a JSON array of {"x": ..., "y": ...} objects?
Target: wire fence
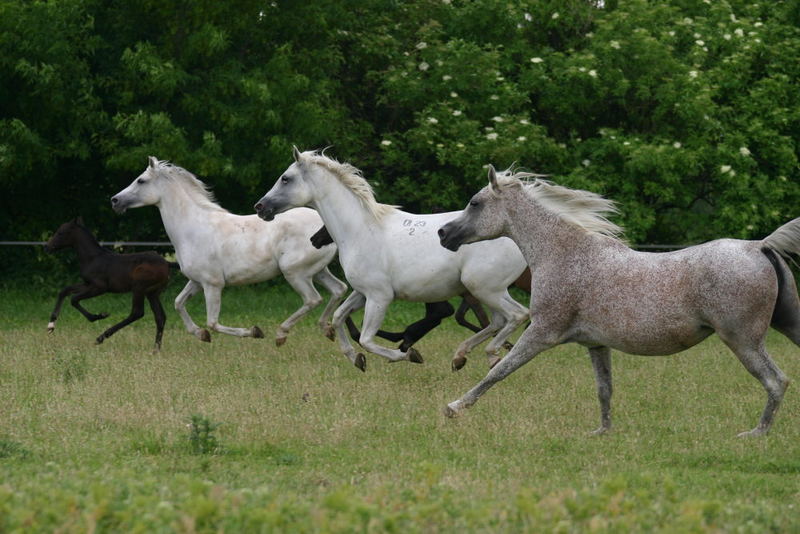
[{"x": 118, "y": 244}]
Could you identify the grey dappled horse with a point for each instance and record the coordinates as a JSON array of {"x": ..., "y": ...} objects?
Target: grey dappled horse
[{"x": 590, "y": 288}]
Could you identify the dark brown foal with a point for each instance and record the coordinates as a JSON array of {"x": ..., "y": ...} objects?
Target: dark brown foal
[{"x": 145, "y": 274}]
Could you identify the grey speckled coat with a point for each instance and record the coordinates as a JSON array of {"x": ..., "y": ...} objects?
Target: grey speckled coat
[{"x": 590, "y": 288}]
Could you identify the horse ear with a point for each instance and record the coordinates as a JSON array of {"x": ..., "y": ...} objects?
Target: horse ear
[
  {"x": 493, "y": 179},
  {"x": 296, "y": 153},
  {"x": 153, "y": 161}
]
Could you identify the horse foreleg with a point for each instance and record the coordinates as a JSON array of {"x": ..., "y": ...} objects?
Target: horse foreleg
[
  {"x": 353, "y": 302},
  {"x": 88, "y": 291},
  {"x": 529, "y": 345},
  {"x": 601, "y": 362},
  {"x": 213, "y": 296},
  {"x": 374, "y": 312},
  {"x": 59, "y": 302},
  {"x": 189, "y": 290},
  {"x": 515, "y": 314},
  {"x": 159, "y": 315},
  {"x": 137, "y": 312},
  {"x": 338, "y": 290},
  {"x": 311, "y": 299}
]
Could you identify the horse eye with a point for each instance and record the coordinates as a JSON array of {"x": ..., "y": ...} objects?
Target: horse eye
[
  {"x": 473, "y": 203},
  {"x": 140, "y": 181},
  {"x": 284, "y": 180}
]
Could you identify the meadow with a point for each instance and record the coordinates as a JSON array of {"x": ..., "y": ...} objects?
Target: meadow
[{"x": 240, "y": 436}]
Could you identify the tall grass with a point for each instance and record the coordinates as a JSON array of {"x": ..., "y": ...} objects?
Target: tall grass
[{"x": 100, "y": 437}]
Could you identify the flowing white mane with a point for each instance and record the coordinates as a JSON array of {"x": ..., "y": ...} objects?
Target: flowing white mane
[
  {"x": 584, "y": 209},
  {"x": 350, "y": 177},
  {"x": 198, "y": 190}
]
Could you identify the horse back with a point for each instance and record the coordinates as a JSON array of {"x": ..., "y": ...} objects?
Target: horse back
[{"x": 121, "y": 273}]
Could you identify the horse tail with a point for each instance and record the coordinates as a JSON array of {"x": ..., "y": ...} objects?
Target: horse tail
[{"x": 785, "y": 240}]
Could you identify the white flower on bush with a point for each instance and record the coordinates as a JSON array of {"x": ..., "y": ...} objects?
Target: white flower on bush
[
  {"x": 494, "y": 97},
  {"x": 524, "y": 121},
  {"x": 536, "y": 60},
  {"x": 528, "y": 17},
  {"x": 424, "y": 66},
  {"x": 447, "y": 78},
  {"x": 522, "y": 138},
  {"x": 457, "y": 113},
  {"x": 433, "y": 120},
  {"x": 614, "y": 44},
  {"x": 453, "y": 94},
  {"x": 744, "y": 151},
  {"x": 386, "y": 142},
  {"x": 421, "y": 45},
  {"x": 692, "y": 74},
  {"x": 555, "y": 15},
  {"x": 677, "y": 144},
  {"x": 498, "y": 118},
  {"x": 739, "y": 32},
  {"x": 725, "y": 169},
  {"x": 491, "y": 136},
  {"x": 727, "y": 37},
  {"x": 460, "y": 145},
  {"x": 586, "y": 163},
  {"x": 593, "y": 73},
  {"x": 700, "y": 42}
]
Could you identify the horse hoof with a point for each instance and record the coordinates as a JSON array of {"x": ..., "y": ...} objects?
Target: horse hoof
[
  {"x": 330, "y": 333},
  {"x": 51, "y": 326},
  {"x": 756, "y": 432},
  {"x": 450, "y": 413},
  {"x": 361, "y": 362},
  {"x": 99, "y": 340},
  {"x": 458, "y": 362},
  {"x": 256, "y": 332},
  {"x": 280, "y": 341},
  {"x": 414, "y": 356},
  {"x": 602, "y": 431},
  {"x": 494, "y": 360},
  {"x": 203, "y": 335}
]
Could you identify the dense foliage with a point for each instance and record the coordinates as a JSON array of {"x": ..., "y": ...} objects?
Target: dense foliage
[{"x": 685, "y": 111}]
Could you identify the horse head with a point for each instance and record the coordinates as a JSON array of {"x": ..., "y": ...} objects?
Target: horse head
[
  {"x": 64, "y": 236},
  {"x": 143, "y": 191},
  {"x": 482, "y": 218},
  {"x": 289, "y": 191}
]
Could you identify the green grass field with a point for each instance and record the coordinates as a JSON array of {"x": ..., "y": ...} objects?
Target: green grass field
[{"x": 100, "y": 438}]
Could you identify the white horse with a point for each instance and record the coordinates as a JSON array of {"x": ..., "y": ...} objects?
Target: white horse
[
  {"x": 216, "y": 248},
  {"x": 390, "y": 254}
]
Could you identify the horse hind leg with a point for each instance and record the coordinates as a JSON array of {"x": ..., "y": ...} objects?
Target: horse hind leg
[
  {"x": 137, "y": 312},
  {"x": 601, "y": 362},
  {"x": 757, "y": 361},
  {"x": 159, "y": 315}
]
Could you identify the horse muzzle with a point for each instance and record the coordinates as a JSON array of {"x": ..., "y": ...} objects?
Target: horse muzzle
[
  {"x": 266, "y": 209},
  {"x": 448, "y": 238},
  {"x": 118, "y": 205}
]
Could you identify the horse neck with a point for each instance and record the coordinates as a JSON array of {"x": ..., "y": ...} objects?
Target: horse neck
[
  {"x": 341, "y": 210},
  {"x": 181, "y": 213},
  {"x": 540, "y": 234},
  {"x": 86, "y": 246}
]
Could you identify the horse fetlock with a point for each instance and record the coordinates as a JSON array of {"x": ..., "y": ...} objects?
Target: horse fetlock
[
  {"x": 603, "y": 430},
  {"x": 51, "y": 326},
  {"x": 256, "y": 332},
  {"x": 414, "y": 356},
  {"x": 98, "y": 316}
]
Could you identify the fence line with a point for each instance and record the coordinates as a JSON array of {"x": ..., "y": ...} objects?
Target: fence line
[{"x": 168, "y": 244}]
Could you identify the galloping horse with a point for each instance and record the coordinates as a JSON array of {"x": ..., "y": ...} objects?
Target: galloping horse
[
  {"x": 145, "y": 274},
  {"x": 389, "y": 254},
  {"x": 435, "y": 312},
  {"x": 216, "y": 248},
  {"x": 590, "y": 288}
]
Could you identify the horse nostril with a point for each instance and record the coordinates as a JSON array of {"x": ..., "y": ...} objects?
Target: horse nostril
[
  {"x": 441, "y": 232},
  {"x": 258, "y": 207},
  {"x": 114, "y": 200}
]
